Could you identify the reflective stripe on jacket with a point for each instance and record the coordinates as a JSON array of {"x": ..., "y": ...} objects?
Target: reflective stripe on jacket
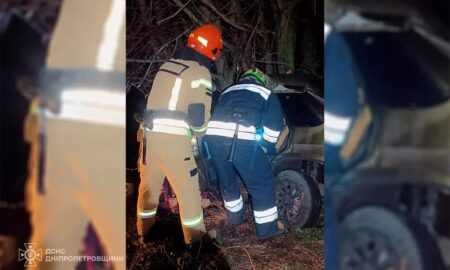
[
  {"x": 261, "y": 115},
  {"x": 183, "y": 86}
]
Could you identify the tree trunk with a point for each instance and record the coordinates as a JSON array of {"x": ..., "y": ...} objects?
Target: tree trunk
[{"x": 286, "y": 39}]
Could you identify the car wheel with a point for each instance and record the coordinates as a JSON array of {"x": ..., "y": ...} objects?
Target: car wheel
[
  {"x": 298, "y": 199},
  {"x": 377, "y": 238}
]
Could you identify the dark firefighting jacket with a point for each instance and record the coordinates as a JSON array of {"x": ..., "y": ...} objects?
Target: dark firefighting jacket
[{"x": 250, "y": 110}]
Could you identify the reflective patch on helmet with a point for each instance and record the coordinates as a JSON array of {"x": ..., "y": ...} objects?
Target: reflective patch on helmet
[{"x": 203, "y": 41}]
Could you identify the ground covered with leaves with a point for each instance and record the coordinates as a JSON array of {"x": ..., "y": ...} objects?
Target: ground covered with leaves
[{"x": 227, "y": 246}]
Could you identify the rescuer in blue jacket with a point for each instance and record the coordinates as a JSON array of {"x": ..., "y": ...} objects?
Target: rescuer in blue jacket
[
  {"x": 348, "y": 125},
  {"x": 243, "y": 129}
]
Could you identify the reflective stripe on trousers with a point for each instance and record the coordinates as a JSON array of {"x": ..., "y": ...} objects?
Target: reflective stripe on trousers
[
  {"x": 146, "y": 213},
  {"x": 266, "y": 216},
  {"x": 170, "y": 156},
  {"x": 234, "y": 206},
  {"x": 192, "y": 222}
]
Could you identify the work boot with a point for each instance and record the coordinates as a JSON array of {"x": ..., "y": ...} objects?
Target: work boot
[
  {"x": 236, "y": 218},
  {"x": 280, "y": 230}
]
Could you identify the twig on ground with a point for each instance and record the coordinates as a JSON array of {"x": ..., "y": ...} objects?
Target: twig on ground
[
  {"x": 250, "y": 258},
  {"x": 199, "y": 249},
  {"x": 246, "y": 251},
  {"x": 168, "y": 257},
  {"x": 311, "y": 256}
]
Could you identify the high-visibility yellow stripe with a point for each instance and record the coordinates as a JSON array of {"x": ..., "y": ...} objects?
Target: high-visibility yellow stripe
[
  {"x": 146, "y": 213},
  {"x": 201, "y": 82},
  {"x": 110, "y": 40},
  {"x": 175, "y": 93},
  {"x": 171, "y": 130},
  {"x": 171, "y": 122},
  {"x": 34, "y": 106},
  {"x": 199, "y": 129},
  {"x": 91, "y": 105},
  {"x": 192, "y": 222}
]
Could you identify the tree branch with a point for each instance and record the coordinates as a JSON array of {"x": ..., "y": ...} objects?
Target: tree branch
[
  {"x": 174, "y": 14},
  {"x": 160, "y": 50},
  {"x": 213, "y": 8},
  {"x": 188, "y": 12}
]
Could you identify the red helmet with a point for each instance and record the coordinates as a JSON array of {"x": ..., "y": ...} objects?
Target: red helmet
[{"x": 206, "y": 40}]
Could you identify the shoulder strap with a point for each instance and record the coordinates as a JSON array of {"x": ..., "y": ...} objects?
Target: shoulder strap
[{"x": 183, "y": 67}]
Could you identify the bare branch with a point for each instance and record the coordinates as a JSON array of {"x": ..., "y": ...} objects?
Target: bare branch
[
  {"x": 159, "y": 51},
  {"x": 213, "y": 8},
  {"x": 174, "y": 14},
  {"x": 188, "y": 12},
  {"x": 131, "y": 60}
]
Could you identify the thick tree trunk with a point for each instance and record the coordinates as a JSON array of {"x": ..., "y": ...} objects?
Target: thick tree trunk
[{"x": 286, "y": 36}]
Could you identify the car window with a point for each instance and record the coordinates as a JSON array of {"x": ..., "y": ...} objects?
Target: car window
[{"x": 301, "y": 109}]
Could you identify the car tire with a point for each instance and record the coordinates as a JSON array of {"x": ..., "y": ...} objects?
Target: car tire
[
  {"x": 378, "y": 238},
  {"x": 298, "y": 199}
]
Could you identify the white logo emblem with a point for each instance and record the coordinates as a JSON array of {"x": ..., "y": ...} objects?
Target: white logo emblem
[{"x": 30, "y": 255}]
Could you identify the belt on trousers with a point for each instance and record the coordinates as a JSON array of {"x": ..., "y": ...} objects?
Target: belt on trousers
[{"x": 85, "y": 95}]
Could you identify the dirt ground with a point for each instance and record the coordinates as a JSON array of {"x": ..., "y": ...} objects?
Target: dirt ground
[{"x": 234, "y": 247}]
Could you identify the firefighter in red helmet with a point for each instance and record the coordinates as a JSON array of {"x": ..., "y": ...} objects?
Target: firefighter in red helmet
[{"x": 178, "y": 109}]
